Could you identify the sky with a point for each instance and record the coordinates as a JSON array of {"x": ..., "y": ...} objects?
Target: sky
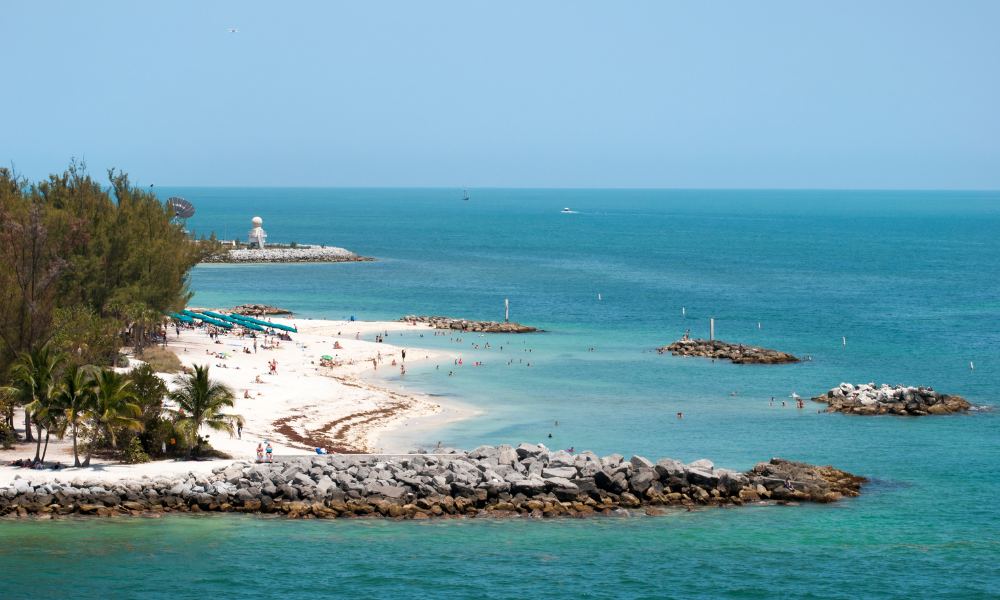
[{"x": 476, "y": 93}]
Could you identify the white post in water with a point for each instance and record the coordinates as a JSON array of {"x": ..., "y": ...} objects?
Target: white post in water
[
  {"x": 506, "y": 310},
  {"x": 711, "y": 328},
  {"x": 683, "y": 312}
]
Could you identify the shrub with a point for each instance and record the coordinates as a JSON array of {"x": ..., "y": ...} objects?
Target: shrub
[
  {"x": 7, "y": 437},
  {"x": 159, "y": 433},
  {"x": 161, "y": 360},
  {"x": 134, "y": 454}
]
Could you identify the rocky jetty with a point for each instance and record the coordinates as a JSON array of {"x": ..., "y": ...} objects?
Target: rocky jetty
[
  {"x": 466, "y": 325},
  {"x": 489, "y": 481},
  {"x": 259, "y": 310},
  {"x": 740, "y": 354},
  {"x": 287, "y": 255},
  {"x": 871, "y": 399}
]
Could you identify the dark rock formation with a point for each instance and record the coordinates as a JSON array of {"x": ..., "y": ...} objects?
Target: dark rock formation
[
  {"x": 871, "y": 399},
  {"x": 466, "y": 325},
  {"x": 738, "y": 353},
  {"x": 260, "y": 310},
  {"x": 489, "y": 481}
]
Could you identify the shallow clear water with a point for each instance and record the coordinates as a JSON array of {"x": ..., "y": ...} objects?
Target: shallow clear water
[{"x": 910, "y": 278}]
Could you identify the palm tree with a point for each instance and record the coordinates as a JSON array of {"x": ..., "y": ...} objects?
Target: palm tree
[
  {"x": 200, "y": 402},
  {"x": 114, "y": 407},
  {"x": 34, "y": 375},
  {"x": 75, "y": 399}
]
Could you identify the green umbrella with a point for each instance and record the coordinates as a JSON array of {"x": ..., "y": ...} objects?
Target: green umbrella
[{"x": 326, "y": 357}]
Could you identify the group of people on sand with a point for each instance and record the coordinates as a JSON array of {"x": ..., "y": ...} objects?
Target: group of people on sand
[
  {"x": 265, "y": 449},
  {"x": 36, "y": 464}
]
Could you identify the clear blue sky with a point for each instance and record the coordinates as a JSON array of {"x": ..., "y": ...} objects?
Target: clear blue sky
[{"x": 846, "y": 94}]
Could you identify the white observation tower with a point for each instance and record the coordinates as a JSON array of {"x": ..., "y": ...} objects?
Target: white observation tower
[{"x": 257, "y": 235}]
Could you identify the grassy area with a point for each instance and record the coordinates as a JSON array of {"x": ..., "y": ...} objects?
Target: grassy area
[{"x": 162, "y": 360}]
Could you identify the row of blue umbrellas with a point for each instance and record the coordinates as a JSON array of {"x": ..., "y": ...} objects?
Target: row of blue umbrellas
[{"x": 228, "y": 321}]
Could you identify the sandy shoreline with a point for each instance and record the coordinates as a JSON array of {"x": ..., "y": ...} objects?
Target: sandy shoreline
[{"x": 301, "y": 406}]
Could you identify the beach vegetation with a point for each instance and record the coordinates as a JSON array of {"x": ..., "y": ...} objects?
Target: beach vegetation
[
  {"x": 88, "y": 268},
  {"x": 161, "y": 360},
  {"x": 134, "y": 453},
  {"x": 201, "y": 402},
  {"x": 34, "y": 377},
  {"x": 74, "y": 398},
  {"x": 114, "y": 409}
]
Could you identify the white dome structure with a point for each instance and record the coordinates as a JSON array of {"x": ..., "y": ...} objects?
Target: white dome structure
[{"x": 257, "y": 235}]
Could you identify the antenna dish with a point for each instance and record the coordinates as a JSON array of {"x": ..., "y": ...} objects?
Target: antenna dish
[{"x": 181, "y": 207}]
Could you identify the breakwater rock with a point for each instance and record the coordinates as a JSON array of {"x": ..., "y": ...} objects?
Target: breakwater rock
[
  {"x": 528, "y": 480},
  {"x": 740, "y": 354},
  {"x": 871, "y": 399},
  {"x": 466, "y": 325},
  {"x": 287, "y": 255},
  {"x": 259, "y": 310}
]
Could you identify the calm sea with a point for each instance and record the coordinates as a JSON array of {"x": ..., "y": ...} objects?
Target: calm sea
[{"x": 910, "y": 279}]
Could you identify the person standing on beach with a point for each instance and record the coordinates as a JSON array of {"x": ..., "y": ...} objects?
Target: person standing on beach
[{"x": 403, "y": 353}]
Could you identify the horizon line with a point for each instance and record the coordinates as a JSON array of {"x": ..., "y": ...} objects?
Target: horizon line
[{"x": 606, "y": 188}]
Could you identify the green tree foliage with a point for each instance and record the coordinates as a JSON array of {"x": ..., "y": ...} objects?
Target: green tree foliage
[
  {"x": 134, "y": 453},
  {"x": 75, "y": 398},
  {"x": 114, "y": 408},
  {"x": 34, "y": 375},
  {"x": 81, "y": 260},
  {"x": 201, "y": 402}
]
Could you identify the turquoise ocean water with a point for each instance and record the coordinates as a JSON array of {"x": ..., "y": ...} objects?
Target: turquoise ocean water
[{"x": 911, "y": 279}]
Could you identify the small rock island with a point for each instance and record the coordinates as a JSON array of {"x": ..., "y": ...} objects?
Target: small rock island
[
  {"x": 490, "y": 481},
  {"x": 871, "y": 399},
  {"x": 740, "y": 354},
  {"x": 258, "y": 250},
  {"x": 260, "y": 310},
  {"x": 286, "y": 254},
  {"x": 467, "y": 325}
]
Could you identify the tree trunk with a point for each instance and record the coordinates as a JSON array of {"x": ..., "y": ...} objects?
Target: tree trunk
[
  {"x": 46, "y": 450},
  {"x": 27, "y": 428},
  {"x": 38, "y": 443},
  {"x": 76, "y": 455}
]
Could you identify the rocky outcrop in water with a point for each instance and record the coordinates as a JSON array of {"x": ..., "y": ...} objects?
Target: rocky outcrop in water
[
  {"x": 871, "y": 399},
  {"x": 466, "y": 325},
  {"x": 287, "y": 255},
  {"x": 260, "y": 310},
  {"x": 738, "y": 353},
  {"x": 528, "y": 480}
]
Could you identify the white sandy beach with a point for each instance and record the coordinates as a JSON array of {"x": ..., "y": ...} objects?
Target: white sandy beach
[{"x": 300, "y": 407}]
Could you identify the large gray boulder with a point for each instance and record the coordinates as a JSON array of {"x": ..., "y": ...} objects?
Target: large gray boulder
[
  {"x": 702, "y": 477},
  {"x": 642, "y": 479},
  {"x": 668, "y": 467},
  {"x": 640, "y": 462},
  {"x": 703, "y": 463},
  {"x": 565, "y": 472},
  {"x": 528, "y": 487}
]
